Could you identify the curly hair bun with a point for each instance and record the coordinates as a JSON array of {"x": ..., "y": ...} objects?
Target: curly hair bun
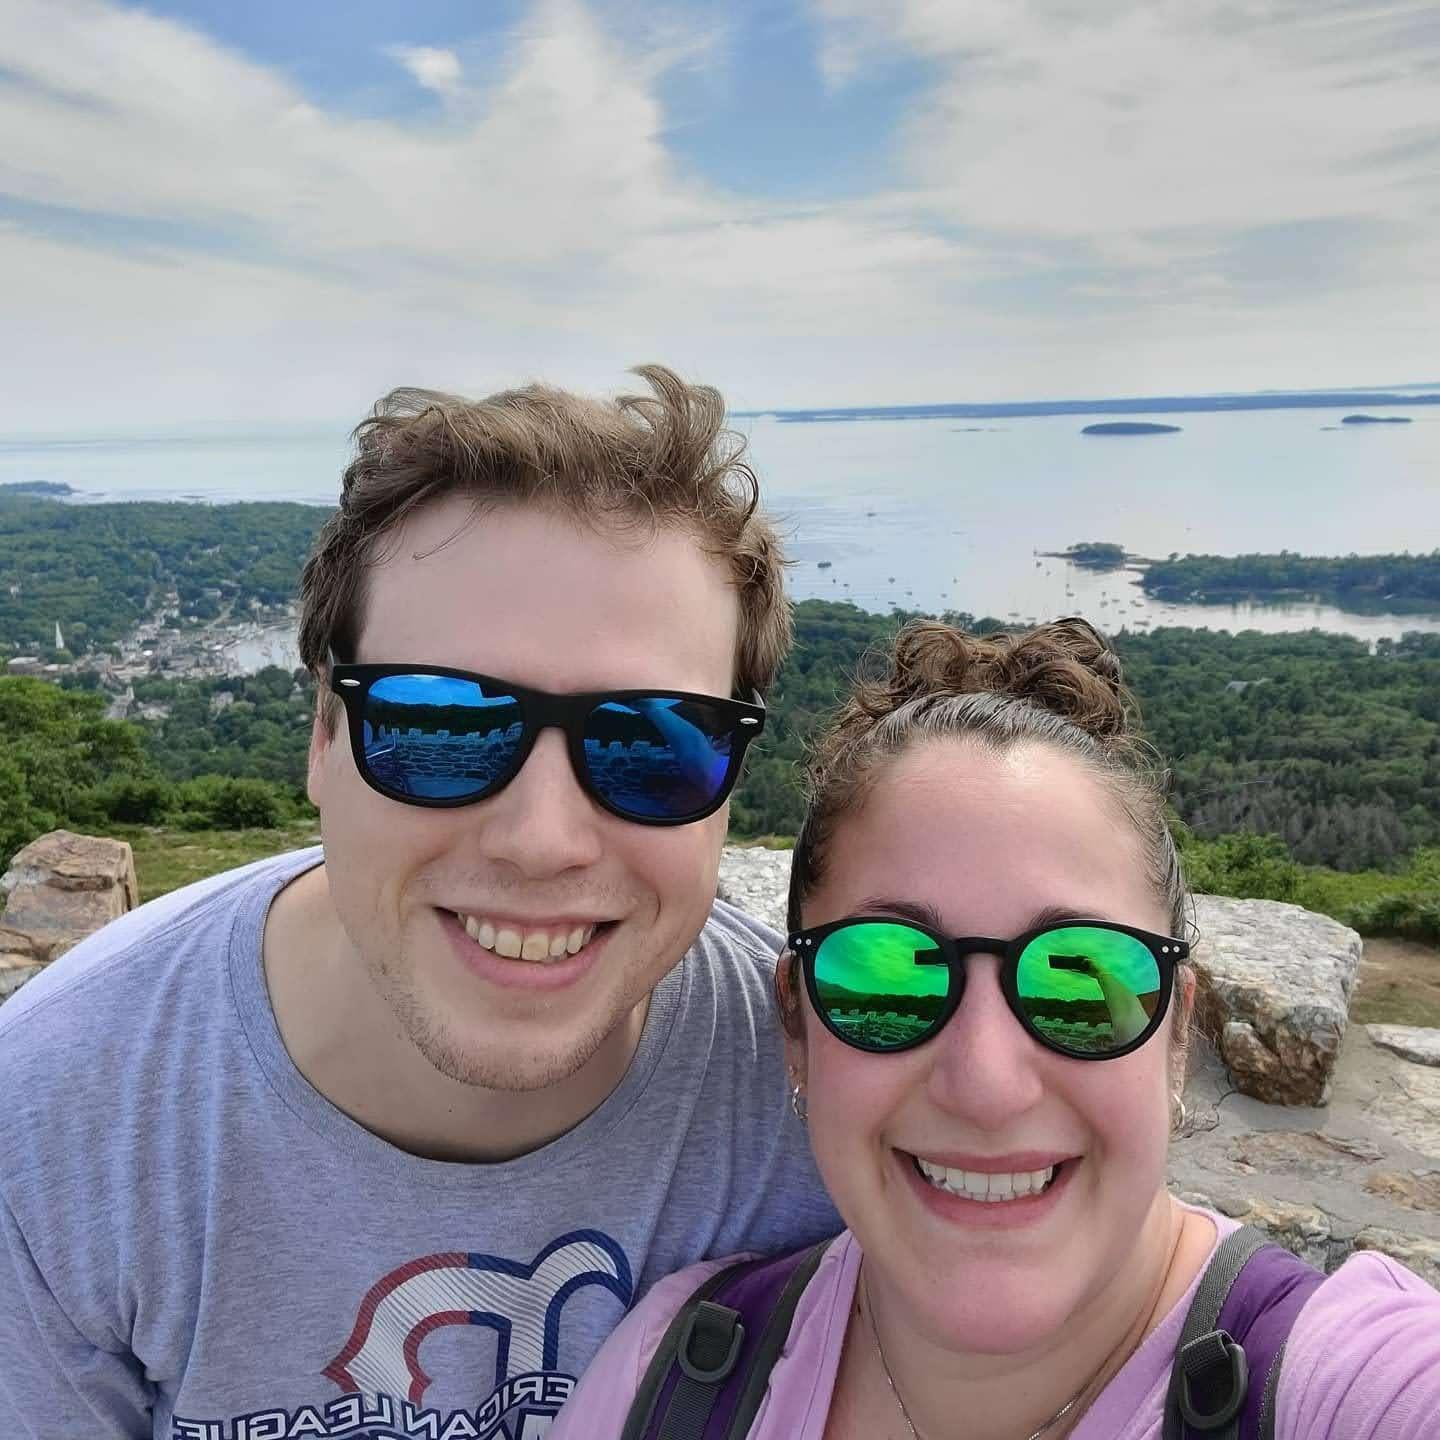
[{"x": 1065, "y": 667}]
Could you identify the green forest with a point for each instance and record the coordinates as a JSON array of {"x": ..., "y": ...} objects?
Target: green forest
[
  {"x": 98, "y": 570},
  {"x": 1304, "y": 767},
  {"x": 1353, "y": 582}
]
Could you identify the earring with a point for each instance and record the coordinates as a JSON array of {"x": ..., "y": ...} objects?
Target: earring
[
  {"x": 1179, "y": 1114},
  {"x": 798, "y": 1103}
]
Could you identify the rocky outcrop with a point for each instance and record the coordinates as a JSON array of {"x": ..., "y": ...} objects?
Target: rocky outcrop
[
  {"x": 757, "y": 880},
  {"x": 58, "y": 889},
  {"x": 1274, "y": 991},
  {"x": 1410, "y": 1042}
]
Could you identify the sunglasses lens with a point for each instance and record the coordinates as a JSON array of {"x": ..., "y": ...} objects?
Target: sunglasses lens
[
  {"x": 658, "y": 757},
  {"x": 871, "y": 989},
  {"x": 1088, "y": 991},
  {"x": 437, "y": 737}
]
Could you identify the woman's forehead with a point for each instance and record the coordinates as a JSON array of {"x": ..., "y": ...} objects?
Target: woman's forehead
[{"x": 987, "y": 839}]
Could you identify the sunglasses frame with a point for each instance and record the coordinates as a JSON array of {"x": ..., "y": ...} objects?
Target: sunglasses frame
[
  {"x": 541, "y": 710},
  {"x": 951, "y": 951}
]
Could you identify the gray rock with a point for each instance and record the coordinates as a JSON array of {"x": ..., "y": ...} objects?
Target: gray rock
[
  {"x": 757, "y": 880},
  {"x": 1410, "y": 1042},
  {"x": 1274, "y": 990}
]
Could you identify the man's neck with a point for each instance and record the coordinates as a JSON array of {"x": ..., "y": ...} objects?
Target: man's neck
[{"x": 345, "y": 1040}]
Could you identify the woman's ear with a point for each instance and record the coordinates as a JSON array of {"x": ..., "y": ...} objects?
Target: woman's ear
[
  {"x": 792, "y": 1014},
  {"x": 1184, "y": 1003}
]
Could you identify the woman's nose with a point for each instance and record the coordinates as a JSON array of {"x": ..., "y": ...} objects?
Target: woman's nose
[{"x": 986, "y": 1069}]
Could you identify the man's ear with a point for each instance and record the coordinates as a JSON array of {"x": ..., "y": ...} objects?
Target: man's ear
[{"x": 320, "y": 742}]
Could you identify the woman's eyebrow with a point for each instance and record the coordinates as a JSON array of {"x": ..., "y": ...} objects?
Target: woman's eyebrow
[
  {"x": 929, "y": 916},
  {"x": 1063, "y": 915},
  {"x": 915, "y": 910}
]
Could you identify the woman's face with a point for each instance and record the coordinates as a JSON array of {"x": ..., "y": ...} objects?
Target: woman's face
[{"x": 989, "y": 843}]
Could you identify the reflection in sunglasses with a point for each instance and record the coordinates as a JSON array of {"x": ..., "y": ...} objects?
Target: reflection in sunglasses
[{"x": 1127, "y": 1016}]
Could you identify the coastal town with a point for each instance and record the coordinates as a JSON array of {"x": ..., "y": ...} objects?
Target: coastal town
[{"x": 231, "y": 644}]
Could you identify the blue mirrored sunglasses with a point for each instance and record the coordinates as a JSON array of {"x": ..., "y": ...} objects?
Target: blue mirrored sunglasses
[{"x": 430, "y": 735}]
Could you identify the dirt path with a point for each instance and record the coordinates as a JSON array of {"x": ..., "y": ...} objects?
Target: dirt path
[{"x": 1399, "y": 984}]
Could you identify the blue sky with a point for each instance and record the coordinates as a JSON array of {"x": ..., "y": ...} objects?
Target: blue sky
[{"x": 236, "y": 213}]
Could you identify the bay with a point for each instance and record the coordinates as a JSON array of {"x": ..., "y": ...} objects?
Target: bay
[{"x": 942, "y": 514}]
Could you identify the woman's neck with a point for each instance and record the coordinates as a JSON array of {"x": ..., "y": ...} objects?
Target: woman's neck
[{"x": 949, "y": 1394}]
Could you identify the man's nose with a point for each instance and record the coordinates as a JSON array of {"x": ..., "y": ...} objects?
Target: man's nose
[
  {"x": 986, "y": 1069},
  {"x": 542, "y": 822}
]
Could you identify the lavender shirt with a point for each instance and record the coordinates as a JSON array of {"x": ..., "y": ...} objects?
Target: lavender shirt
[{"x": 1362, "y": 1363}]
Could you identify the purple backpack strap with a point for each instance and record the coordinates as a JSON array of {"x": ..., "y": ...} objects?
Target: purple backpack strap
[
  {"x": 709, "y": 1373},
  {"x": 1227, "y": 1361}
]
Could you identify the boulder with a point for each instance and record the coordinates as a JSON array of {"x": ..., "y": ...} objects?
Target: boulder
[
  {"x": 15, "y": 970},
  {"x": 757, "y": 880},
  {"x": 59, "y": 889},
  {"x": 1410, "y": 1042},
  {"x": 1274, "y": 988}
]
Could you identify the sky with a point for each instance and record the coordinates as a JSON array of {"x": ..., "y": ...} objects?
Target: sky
[{"x": 236, "y": 214}]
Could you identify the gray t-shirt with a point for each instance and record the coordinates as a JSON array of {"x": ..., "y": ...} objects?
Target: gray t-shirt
[{"x": 195, "y": 1244}]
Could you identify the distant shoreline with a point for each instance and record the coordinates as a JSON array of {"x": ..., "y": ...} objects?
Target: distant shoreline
[{"x": 1138, "y": 405}]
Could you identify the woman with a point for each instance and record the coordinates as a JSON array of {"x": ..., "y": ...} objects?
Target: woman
[{"x": 984, "y": 821}]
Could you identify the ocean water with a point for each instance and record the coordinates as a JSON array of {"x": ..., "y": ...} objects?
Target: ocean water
[{"x": 954, "y": 514}]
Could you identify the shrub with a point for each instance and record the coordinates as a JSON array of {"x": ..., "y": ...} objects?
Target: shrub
[
  {"x": 134, "y": 800},
  {"x": 1250, "y": 867},
  {"x": 228, "y": 803}
]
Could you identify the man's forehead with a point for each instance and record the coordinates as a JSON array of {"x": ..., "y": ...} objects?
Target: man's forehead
[{"x": 541, "y": 598}]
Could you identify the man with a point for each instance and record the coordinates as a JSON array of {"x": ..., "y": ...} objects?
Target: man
[{"x": 382, "y": 1142}]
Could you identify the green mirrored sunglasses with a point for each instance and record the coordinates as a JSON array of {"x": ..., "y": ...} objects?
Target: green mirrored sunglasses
[{"x": 1089, "y": 989}]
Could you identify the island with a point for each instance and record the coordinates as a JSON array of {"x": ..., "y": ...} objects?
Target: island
[
  {"x": 1130, "y": 427},
  {"x": 53, "y": 488},
  {"x": 1361, "y": 584},
  {"x": 1093, "y": 555},
  {"x": 1376, "y": 420}
]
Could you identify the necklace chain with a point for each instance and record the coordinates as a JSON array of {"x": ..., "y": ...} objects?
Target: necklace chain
[{"x": 869, "y": 1309}]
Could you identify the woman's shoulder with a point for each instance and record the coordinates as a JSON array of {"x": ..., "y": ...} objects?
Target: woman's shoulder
[
  {"x": 1363, "y": 1358},
  {"x": 607, "y": 1387}
]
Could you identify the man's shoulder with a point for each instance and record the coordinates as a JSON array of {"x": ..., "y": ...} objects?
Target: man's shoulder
[
  {"x": 92, "y": 983},
  {"x": 734, "y": 935}
]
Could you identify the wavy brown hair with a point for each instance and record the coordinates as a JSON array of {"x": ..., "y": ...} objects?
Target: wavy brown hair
[
  {"x": 1058, "y": 684},
  {"x": 637, "y": 464}
]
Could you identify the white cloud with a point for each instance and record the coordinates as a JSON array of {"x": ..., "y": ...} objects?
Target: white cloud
[
  {"x": 1098, "y": 119},
  {"x": 434, "y": 69},
  {"x": 1107, "y": 195}
]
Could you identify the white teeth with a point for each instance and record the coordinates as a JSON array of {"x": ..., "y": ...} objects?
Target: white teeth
[
  {"x": 537, "y": 945},
  {"x": 975, "y": 1185}
]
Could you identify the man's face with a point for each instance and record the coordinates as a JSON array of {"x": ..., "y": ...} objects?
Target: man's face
[{"x": 540, "y": 600}]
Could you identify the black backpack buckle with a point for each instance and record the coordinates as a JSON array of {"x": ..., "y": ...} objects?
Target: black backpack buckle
[
  {"x": 1214, "y": 1365},
  {"x": 710, "y": 1343}
]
